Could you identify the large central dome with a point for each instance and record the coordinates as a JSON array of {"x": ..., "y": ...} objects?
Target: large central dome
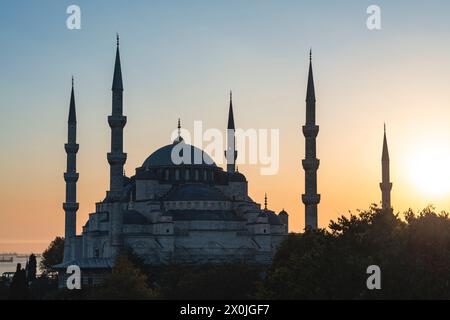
[{"x": 163, "y": 156}]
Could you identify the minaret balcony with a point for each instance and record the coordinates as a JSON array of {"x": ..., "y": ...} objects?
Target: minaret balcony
[
  {"x": 310, "y": 131},
  {"x": 71, "y": 147},
  {"x": 310, "y": 199},
  {"x": 310, "y": 164},
  {"x": 118, "y": 121},
  {"x": 71, "y": 206},
  {"x": 386, "y": 186},
  {"x": 71, "y": 176},
  {"x": 117, "y": 158}
]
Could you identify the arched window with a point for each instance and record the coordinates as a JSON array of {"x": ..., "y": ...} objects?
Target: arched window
[
  {"x": 187, "y": 175},
  {"x": 177, "y": 174},
  {"x": 166, "y": 174},
  {"x": 197, "y": 175}
]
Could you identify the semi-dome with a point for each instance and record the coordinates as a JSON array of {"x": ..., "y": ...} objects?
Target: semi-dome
[
  {"x": 134, "y": 217},
  {"x": 163, "y": 156}
]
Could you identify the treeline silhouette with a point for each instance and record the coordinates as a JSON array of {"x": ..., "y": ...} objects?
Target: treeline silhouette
[
  {"x": 413, "y": 254},
  {"x": 411, "y": 250}
]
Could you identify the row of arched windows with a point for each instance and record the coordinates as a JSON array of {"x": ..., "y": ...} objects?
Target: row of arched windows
[{"x": 186, "y": 174}]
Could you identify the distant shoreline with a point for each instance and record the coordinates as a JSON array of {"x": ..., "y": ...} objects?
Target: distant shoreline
[{"x": 15, "y": 254}]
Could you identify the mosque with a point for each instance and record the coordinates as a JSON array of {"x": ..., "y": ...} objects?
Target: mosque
[{"x": 186, "y": 213}]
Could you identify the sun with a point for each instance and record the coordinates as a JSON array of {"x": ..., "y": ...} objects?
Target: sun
[{"x": 429, "y": 169}]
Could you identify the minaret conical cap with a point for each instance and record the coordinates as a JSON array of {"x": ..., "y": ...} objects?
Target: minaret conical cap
[
  {"x": 385, "y": 155},
  {"x": 310, "y": 92},
  {"x": 72, "y": 111},
  {"x": 230, "y": 113},
  {"x": 117, "y": 80}
]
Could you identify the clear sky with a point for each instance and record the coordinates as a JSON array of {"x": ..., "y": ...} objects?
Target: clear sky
[{"x": 180, "y": 59}]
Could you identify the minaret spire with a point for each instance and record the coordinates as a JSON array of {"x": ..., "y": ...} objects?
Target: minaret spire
[
  {"x": 231, "y": 153},
  {"x": 72, "y": 111},
  {"x": 310, "y": 164},
  {"x": 117, "y": 79},
  {"x": 230, "y": 113},
  {"x": 117, "y": 121},
  {"x": 179, "y": 138},
  {"x": 265, "y": 201},
  {"x": 70, "y": 206},
  {"x": 385, "y": 185}
]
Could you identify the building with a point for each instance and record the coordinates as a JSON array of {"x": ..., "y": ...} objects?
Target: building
[{"x": 189, "y": 213}]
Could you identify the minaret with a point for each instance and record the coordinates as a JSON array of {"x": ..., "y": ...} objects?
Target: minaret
[
  {"x": 265, "y": 201},
  {"x": 71, "y": 178},
  {"x": 310, "y": 163},
  {"x": 231, "y": 153},
  {"x": 117, "y": 121},
  {"x": 385, "y": 184}
]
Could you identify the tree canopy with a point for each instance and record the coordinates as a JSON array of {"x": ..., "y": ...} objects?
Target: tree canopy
[
  {"x": 53, "y": 255},
  {"x": 413, "y": 255},
  {"x": 126, "y": 282}
]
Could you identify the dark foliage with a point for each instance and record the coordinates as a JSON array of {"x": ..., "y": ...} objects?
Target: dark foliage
[
  {"x": 18, "y": 290},
  {"x": 414, "y": 257},
  {"x": 126, "y": 282},
  {"x": 217, "y": 282},
  {"x": 53, "y": 255},
  {"x": 31, "y": 268}
]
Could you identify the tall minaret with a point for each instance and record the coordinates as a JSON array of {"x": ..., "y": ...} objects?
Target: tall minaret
[
  {"x": 71, "y": 178},
  {"x": 231, "y": 153},
  {"x": 310, "y": 163},
  {"x": 385, "y": 184},
  {"x": 117, "y": 121}
]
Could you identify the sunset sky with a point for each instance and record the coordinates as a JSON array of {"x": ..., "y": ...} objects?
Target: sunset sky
[{"x": 181, "y": 58}]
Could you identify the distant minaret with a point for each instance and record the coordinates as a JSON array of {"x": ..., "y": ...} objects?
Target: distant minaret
[
  {"x": 231, "y": 153},
  {"x": 117, "y": 121},
  {"x": 385, "y": 184},
  {"x": 310, "y": 163},
  {"x": 71, "y": 178}
]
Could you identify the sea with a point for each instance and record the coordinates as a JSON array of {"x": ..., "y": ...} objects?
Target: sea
[{"x": 17, "y": 258}]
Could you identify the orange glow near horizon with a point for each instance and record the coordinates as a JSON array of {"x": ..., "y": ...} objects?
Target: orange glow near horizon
[{"x": 179, "y": 60}]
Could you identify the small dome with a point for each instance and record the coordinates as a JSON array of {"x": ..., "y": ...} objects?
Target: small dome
[
  {"x": 283, "y": 213},
  {"x": 237, "y": 177},
  {"x": 163, "y": 156},
  {"x": 262, "y": 214}
]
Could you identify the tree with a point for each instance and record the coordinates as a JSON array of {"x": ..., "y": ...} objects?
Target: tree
[
  {"x": 53, "y": 255},
  {"x": 126, "y": 282},
  {"x": 413, "y": 255},
  {"x": 135, "y": 259},
  {"x": 18, "y": 289},
  {"x": 226, "y": 281},
  {"x": 31, "y": 268}
]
